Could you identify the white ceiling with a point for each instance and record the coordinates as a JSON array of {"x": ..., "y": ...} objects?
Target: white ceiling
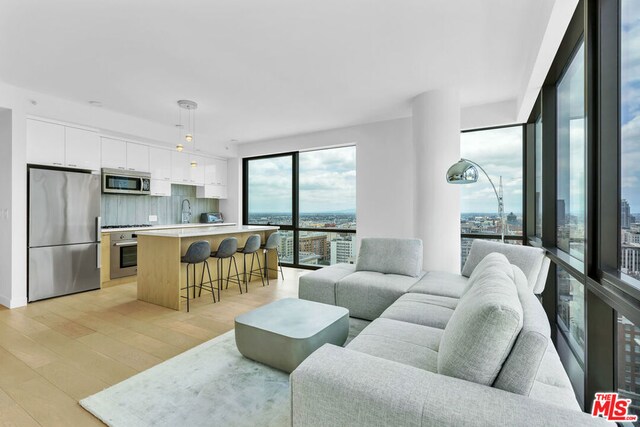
[{"x": 262, "y": 69}]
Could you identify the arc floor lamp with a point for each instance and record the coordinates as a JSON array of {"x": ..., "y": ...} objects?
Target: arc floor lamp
[{"x": 465, "y": 171}]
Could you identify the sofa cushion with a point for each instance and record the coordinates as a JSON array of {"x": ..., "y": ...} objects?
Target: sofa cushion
[
  {"x": 390, "y": 256},
  {"x": 402, "y": 342},
  {"x": 552, "y": 385},
  {"x": 441, "y": 283},
  {"x": 520, "y": 370},
  {"x": 320, "y": 285},
  {"x": 422, "y": 309},
  {"x": 482, "y": 329},
  {"x": 529, "y": 259},
  {"x": 367, "y": 294},
  {"x": 494, "y": 259}
]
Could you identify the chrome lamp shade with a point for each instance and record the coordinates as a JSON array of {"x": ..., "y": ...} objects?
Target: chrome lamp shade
[{"x": 463, "y": 172}]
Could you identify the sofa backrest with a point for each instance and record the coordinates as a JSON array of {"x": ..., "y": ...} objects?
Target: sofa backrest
[
  {"x": 532, "y": 261},
  {"x": 483, "y": 327},
  {"x": 521, "y": 367},
  {"x": 390, "y": 256}
]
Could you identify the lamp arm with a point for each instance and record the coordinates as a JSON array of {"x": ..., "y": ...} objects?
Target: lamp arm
[
  {"x": 488, "y": 177},
  {"x": 500, "y": 201}
]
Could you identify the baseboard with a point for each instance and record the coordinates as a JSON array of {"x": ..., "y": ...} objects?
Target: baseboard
[{"x": 12, "y": 303}]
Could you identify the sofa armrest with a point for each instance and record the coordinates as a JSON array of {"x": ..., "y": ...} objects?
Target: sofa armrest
[{"x": 338, "y": 386}]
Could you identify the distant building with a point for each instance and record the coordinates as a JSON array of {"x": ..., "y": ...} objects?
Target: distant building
[
  {"x": 628, "y": 355},
  {"x": 512, "y": 218},
  {"x": 342, "y": 251},
  {"x": 625, "y": 214},
  {"x": 561, "y": 213},
  {"x": 316, "y": 243},
  {"x": 630, "y": 259}
]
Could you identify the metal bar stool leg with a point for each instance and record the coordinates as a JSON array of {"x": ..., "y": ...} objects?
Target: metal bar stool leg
[
  {"x": 266, "y": 265},
  {"x": 201, "y": 280},
  {"x": 188, "y": 287},
  {"x": 213, "y": 294},
  {"x": 259, "y": 268}
]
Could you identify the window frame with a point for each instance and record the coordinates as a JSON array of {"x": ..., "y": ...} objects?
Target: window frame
[{"x": 295, "y": 203}]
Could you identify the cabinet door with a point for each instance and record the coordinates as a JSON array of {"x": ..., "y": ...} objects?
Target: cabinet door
[
  {"x": 197, "y": 173},
  {"x": 160, "y": 188},
  {"x": 221, "y": 172},
  {"x": 82, "y": 149},
  {"x": 137, "y": 157},
  {"x": 211, "y": 192},
  {"x": 210, "y": 171},
  {"x": 178, "y": 168},
  {"x": 160, "y": 164},
  {"x": 45, "y": 143},
  {"x": 114, "y": 154}
]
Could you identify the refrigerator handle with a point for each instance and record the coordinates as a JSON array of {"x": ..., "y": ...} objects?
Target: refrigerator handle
[
  {"x": 99, "y": 257},
  {"x": 98, "y": 229}
]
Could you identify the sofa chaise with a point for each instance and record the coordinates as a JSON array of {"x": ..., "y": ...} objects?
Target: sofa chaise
[{"x": 469, "y": 349}]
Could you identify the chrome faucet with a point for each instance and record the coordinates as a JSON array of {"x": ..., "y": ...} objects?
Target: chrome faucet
[{"x": 186, "y": 213}]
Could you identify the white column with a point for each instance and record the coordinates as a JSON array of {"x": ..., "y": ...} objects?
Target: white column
[{"x": 436, "y": 138}]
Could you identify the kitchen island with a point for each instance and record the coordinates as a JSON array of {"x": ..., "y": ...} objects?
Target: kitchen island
[{"x": 161, "y": 275}]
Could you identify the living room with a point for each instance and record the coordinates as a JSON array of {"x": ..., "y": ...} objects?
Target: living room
[{"x": 251, "y": 213}]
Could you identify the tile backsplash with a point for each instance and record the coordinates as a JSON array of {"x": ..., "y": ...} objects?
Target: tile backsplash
[{"x": 120, "y": 209}]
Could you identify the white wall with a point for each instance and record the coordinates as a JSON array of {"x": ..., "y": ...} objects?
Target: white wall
[{"x": 384, "y": 171}]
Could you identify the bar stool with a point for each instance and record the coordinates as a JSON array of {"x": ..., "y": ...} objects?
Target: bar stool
[
  {"x": 251, "y": 247},
  {"x": 273, "y": 241},
  {"x": 226, "y": 250},
  {"x": 197, "y": 253}
]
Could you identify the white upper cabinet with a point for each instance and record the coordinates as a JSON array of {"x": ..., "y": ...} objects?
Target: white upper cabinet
[
  {"x": 82, "y": 149},
  {"x": 216, "y": 172},
  {"x": 114, "y": 154},
  {"x": 197, "y": 173},
  {"x": 180, "y": 172},
  {"x": 45, "y": 143},
  {"x": 160, "y": 164},
  {"x": 59, "y": 145},
  {"x": 160, "y": 188},
  {"x": 137, "y": 157}
]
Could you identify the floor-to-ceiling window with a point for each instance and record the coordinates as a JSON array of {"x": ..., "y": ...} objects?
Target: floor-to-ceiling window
[
  {"x": 571, "y": 197},
  {"x": 538, "y": 176},
  {"x": 499, "y": 151},
  {"x": 311, "y": 195}
]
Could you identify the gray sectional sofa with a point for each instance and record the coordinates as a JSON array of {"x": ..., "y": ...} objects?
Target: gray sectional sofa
[{"x": 441, "y": 349}]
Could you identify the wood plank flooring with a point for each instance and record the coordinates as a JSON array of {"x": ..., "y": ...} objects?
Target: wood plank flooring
[{"x": 56, "y": 352}]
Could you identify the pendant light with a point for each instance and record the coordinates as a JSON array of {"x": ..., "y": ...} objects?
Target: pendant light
[{"x": 190, "y": 106}]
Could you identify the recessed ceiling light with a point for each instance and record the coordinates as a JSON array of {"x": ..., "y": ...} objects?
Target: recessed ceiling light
[{"x": 95, "y": 103}]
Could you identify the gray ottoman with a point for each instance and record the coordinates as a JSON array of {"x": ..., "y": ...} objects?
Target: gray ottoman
[{"x": 284, "y": 333}]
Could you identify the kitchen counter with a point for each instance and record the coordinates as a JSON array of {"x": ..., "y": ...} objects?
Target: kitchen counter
[
  {"x": 161, "y": 275},
  {"x": 167, "y": 227},
  {"x": 208, "y": 231}
]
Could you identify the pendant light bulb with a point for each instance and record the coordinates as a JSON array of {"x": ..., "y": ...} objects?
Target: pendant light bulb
[
  {"x": 188, "y": 137},
  {"x": 194, "y": 164},
  {"x": 179, "y": 147}
]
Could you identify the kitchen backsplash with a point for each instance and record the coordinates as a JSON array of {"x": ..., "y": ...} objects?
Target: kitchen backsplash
[{"x": 120, "y": 209}]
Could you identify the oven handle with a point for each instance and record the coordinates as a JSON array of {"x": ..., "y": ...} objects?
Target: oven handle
[{"x": 125, "y": 244}]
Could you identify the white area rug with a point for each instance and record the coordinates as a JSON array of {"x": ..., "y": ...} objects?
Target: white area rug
[{"x": 211, "y": 384}]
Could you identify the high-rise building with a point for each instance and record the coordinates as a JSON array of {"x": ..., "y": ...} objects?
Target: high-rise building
[{"x": 625, "y": 214}]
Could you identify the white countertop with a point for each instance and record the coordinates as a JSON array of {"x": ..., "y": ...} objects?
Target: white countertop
[
  {"x": 206, "y": 231},
  {"x": 166, "y": 227}
]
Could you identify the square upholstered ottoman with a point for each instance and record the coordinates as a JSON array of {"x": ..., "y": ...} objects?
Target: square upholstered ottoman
[{"x": 284, "y": 333}]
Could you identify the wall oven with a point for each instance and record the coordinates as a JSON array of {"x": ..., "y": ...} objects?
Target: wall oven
[
  {"x": 124, "y": 255},
  {"x": 125, "y": 182}
]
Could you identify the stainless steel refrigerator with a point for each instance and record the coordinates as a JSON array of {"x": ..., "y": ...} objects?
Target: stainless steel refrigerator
[{"x": 64, "y": 232}]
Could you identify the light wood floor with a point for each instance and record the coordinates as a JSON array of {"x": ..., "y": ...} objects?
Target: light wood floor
[{"x": 56, "y": 352}]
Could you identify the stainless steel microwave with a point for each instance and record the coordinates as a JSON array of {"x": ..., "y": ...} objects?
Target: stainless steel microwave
[{"x": 125, "y": 182}]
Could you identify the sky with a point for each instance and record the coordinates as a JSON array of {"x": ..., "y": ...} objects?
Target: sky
[
  {"x": 630, "y": 99},
  {"x": 499, "y": 152},
  {"x": 327, "y": 182}
]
